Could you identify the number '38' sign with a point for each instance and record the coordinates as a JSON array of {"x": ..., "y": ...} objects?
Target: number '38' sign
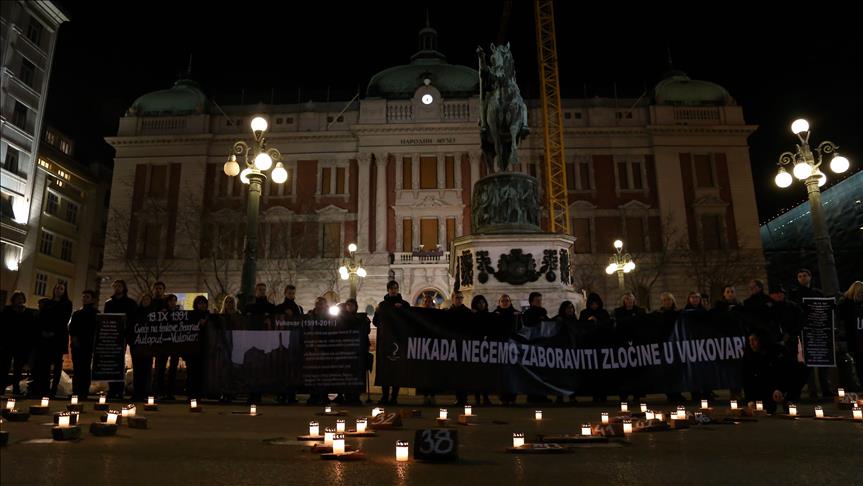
[{"x": 436, "y": 444}]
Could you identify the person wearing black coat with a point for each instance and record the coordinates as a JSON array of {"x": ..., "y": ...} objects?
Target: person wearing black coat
[
  {"x": 142, "y": 356},
  {"x": 361, "y": 323},
  {"x": 52, "y": 342},
  {"x": 262, "y": 305},
  {"x": 536, "y": 313},
  {"x": 82, "y": 330},
  {"x": 804, "y": 287},
  {"x": 393, "y": 300},
  {"x": 851, "y": 314},
  {"x": 513, "y": 318},
  {"x": 16, "y": 340},
  {"x": 595, "y": 330},
  {"x": 759, "y": 306},
  {"x": 167, "y": 361},
  {"x": 627, "y": 318},
  {"x": 289, "y": 306},
  {"x": 120, "y": 303},
  {"x": 768, "y": 372},
  {"x": 787, "y": 319},
  {"x": 199, "y": 315}
]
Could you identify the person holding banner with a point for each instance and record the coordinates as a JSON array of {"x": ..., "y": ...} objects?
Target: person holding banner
[
  {"x": 804, "y": 287},
  {"x": 694, "y": 302},
  {"x": 194, "y": 367},
  {"x": 82, "y": 330},
  {"x": 19, "y": 327},
  {"x": 728, "y": 301},
  {"x": 170, "y": 361},
  {"x": 120, "y": 303},
  {"x": 392, "y": 300},
  {"x": 361, "y": 323},
  {"x": 851, "y": 314},
  {"x": 627, "y": 317},
  {"x": 768, "y": 373},
  {"x": 513, "y": 317},
  {"x": 262, "y": 305},
  {"x": 289, "y": 307}
]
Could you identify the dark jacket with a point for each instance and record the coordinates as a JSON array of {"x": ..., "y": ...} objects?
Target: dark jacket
[
  {"x": 534, "y": 316},
  {"x": 851, "y": 314},
  {"x": 82, "y": 327},
  {"x": 120, "y": 305},
  {"x": 788, "y": 320},
  {"x": 625, "y": 317},
  {"x": 601, "y": 318},
  {"x": 260, "y": 307},
  {"x": 53, "y": 324},
  {"x": 19, "y": 331},
  {"x": 759, "y": 307},
  {"x": 797, "y": 294},
  {"x": 389, "y": 302},
  {"x": 290, "y": 304},
  {"x": 771, "y": 368}
]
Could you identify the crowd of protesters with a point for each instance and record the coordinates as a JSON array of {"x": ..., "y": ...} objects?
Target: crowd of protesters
[{"x": 772, "y": 372}]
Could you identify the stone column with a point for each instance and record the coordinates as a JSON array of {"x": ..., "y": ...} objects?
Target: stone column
[
  {"x": 474, "y": 168},
  {"x": 363, "y": 183},
  {"x": 441, "y": 171},
  {"x": 381, "y": 203},
  {"x": 415, "y": 171}
]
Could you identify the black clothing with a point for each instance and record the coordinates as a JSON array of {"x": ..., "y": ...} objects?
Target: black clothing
[
  {"x": 534, "y": 316},
  {"x": 290, "y": 304},
  {"x": 851, "y": 314},
  {"x": 625, "y": 318},
  {"x": 798, "y": 293},
  {"x": 725, "y": 306},
  {"x": 51, "y": 345},
  {"x": 787, "y": 322},
  {"x": 389, "y": 394},
  {"x": 82, "y": 330},
  {"x": 759, "y": 306},
  {"x": 121, "y": 305},
  {"x": 17, "y": 337},
  {"x": 769, "y": 369},
  {"x": 260, "y": 307}
]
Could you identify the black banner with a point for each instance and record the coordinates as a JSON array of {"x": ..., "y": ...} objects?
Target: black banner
[
  {"x": 434, "y": 349},
  {"x": 819, "y": 343},
  {"x": 109, "y": 350},
  {"x": 167, "y": 332},
  {"x": 270, "y": 355}
]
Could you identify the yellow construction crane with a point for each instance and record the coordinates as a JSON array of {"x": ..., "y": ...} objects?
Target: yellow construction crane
[{"x": 552, "y": 118}]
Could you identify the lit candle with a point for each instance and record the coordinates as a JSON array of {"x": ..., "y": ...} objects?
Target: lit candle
[
  {"x": 124, "y": 411},
  {"x": 443, "y": 414},
  {"x": 643, "y": 407},
  {"x": 401, "y": 450},
  {"x": 627, "y": 426},
  {"x": 467, "y": 409},
  {"x": 604, "y": 417},
  {"x": 819, "y": 412},
  {"x": 361, "y": 424},
  {"x": 10, "y": 404},
  {"x": 194, "y": 403},
  {"x": 759, "y": 405},
  {"x": 856, "y": 413},
  {"x": 517, "y": 439},
  {"x": 792, "y": 410},
  {"x": 339, "y": 444},
  {"x": 841, "y": 392},
  {"x": 681, "y": 412},
  {"x": 314, "y": 429},
  {"x": 340, "y": 425},
  {"x": 537, "y": 415},
  {"x": 101, "y": 399},
  {"x": 377, "y": 411},
  {"x": 45, "y": 401},
  {"x": 112, "y": 417},
  {"x": 328, "y": 409},
  {"x": 733, "y": 404},
  {"x": 63, "y": 420},
  {"x": 585, "y": 430},
  {"x": 704, "y": 404},
  {"x": 624, "y": 407},
  {"x": 132, "y": 409},
  {"x": 649, "y": 415},
  {"x": 659, "y": 416},
  {"x": 74, "y": 400},
  {"x": 329, "y": 432},
  {"x": 151, "y": 400},
  {"x": 253, "y": 409}
]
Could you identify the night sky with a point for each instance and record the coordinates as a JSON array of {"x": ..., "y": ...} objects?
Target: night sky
[{"x": 112, "y": 52}]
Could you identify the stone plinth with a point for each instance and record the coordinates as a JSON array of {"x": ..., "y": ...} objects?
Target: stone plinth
[{"x": 515, "y": 264}]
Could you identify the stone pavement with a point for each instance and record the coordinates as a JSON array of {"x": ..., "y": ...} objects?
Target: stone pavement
[{"x": 217, "y": 447}]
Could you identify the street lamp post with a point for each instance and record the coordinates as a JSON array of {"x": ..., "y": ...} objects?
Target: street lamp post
[
  {"x": 352, "y": 269},
  {"x": 258, "y": 159},
  {"x": 806, "y": 168},
  {"x": 619, "y": 262}
]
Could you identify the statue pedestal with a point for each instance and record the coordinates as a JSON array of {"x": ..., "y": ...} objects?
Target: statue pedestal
[
  {"x": 505, "y": 203},
  {"x": 515, "y": 264}
]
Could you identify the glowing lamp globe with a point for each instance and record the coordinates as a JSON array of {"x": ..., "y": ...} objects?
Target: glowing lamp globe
[
  {"x": 244, "y": 175},
  {"x": 783, "y": 179},
  {"x": 802, "y": 170},
  {"x": 611, "y": 268},
  {"x": 231, "y": 167},
  {"x": 280, "y": 175},
  {"x": 839, "y": 164},
  {"x": 352, "y": 247},
  {"x": 259, "y": 124},
  {"x": 263, "y": 161},
  {"x": 361, "y": 272},
  {"x": 334, "y": 310},
  {"x": 799, "y": 126}
]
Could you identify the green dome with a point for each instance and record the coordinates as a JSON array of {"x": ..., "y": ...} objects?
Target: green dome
[
  {"x": 400, "y": 82},
  {"x": 678, "y": 89},
  {"x": 184, "y": 98}
]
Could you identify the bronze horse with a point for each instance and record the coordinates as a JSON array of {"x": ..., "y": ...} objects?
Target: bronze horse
[{"x": 503, "y": 114}]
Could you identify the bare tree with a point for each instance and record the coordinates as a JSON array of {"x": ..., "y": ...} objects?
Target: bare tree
[
  {"x": 587, "y": 271},
  {"x": 714, "y": 269},
  {"x": 653, "y": 265}
]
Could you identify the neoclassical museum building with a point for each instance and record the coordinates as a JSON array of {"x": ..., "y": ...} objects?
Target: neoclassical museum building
[{"x": 668, "y": 173}]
